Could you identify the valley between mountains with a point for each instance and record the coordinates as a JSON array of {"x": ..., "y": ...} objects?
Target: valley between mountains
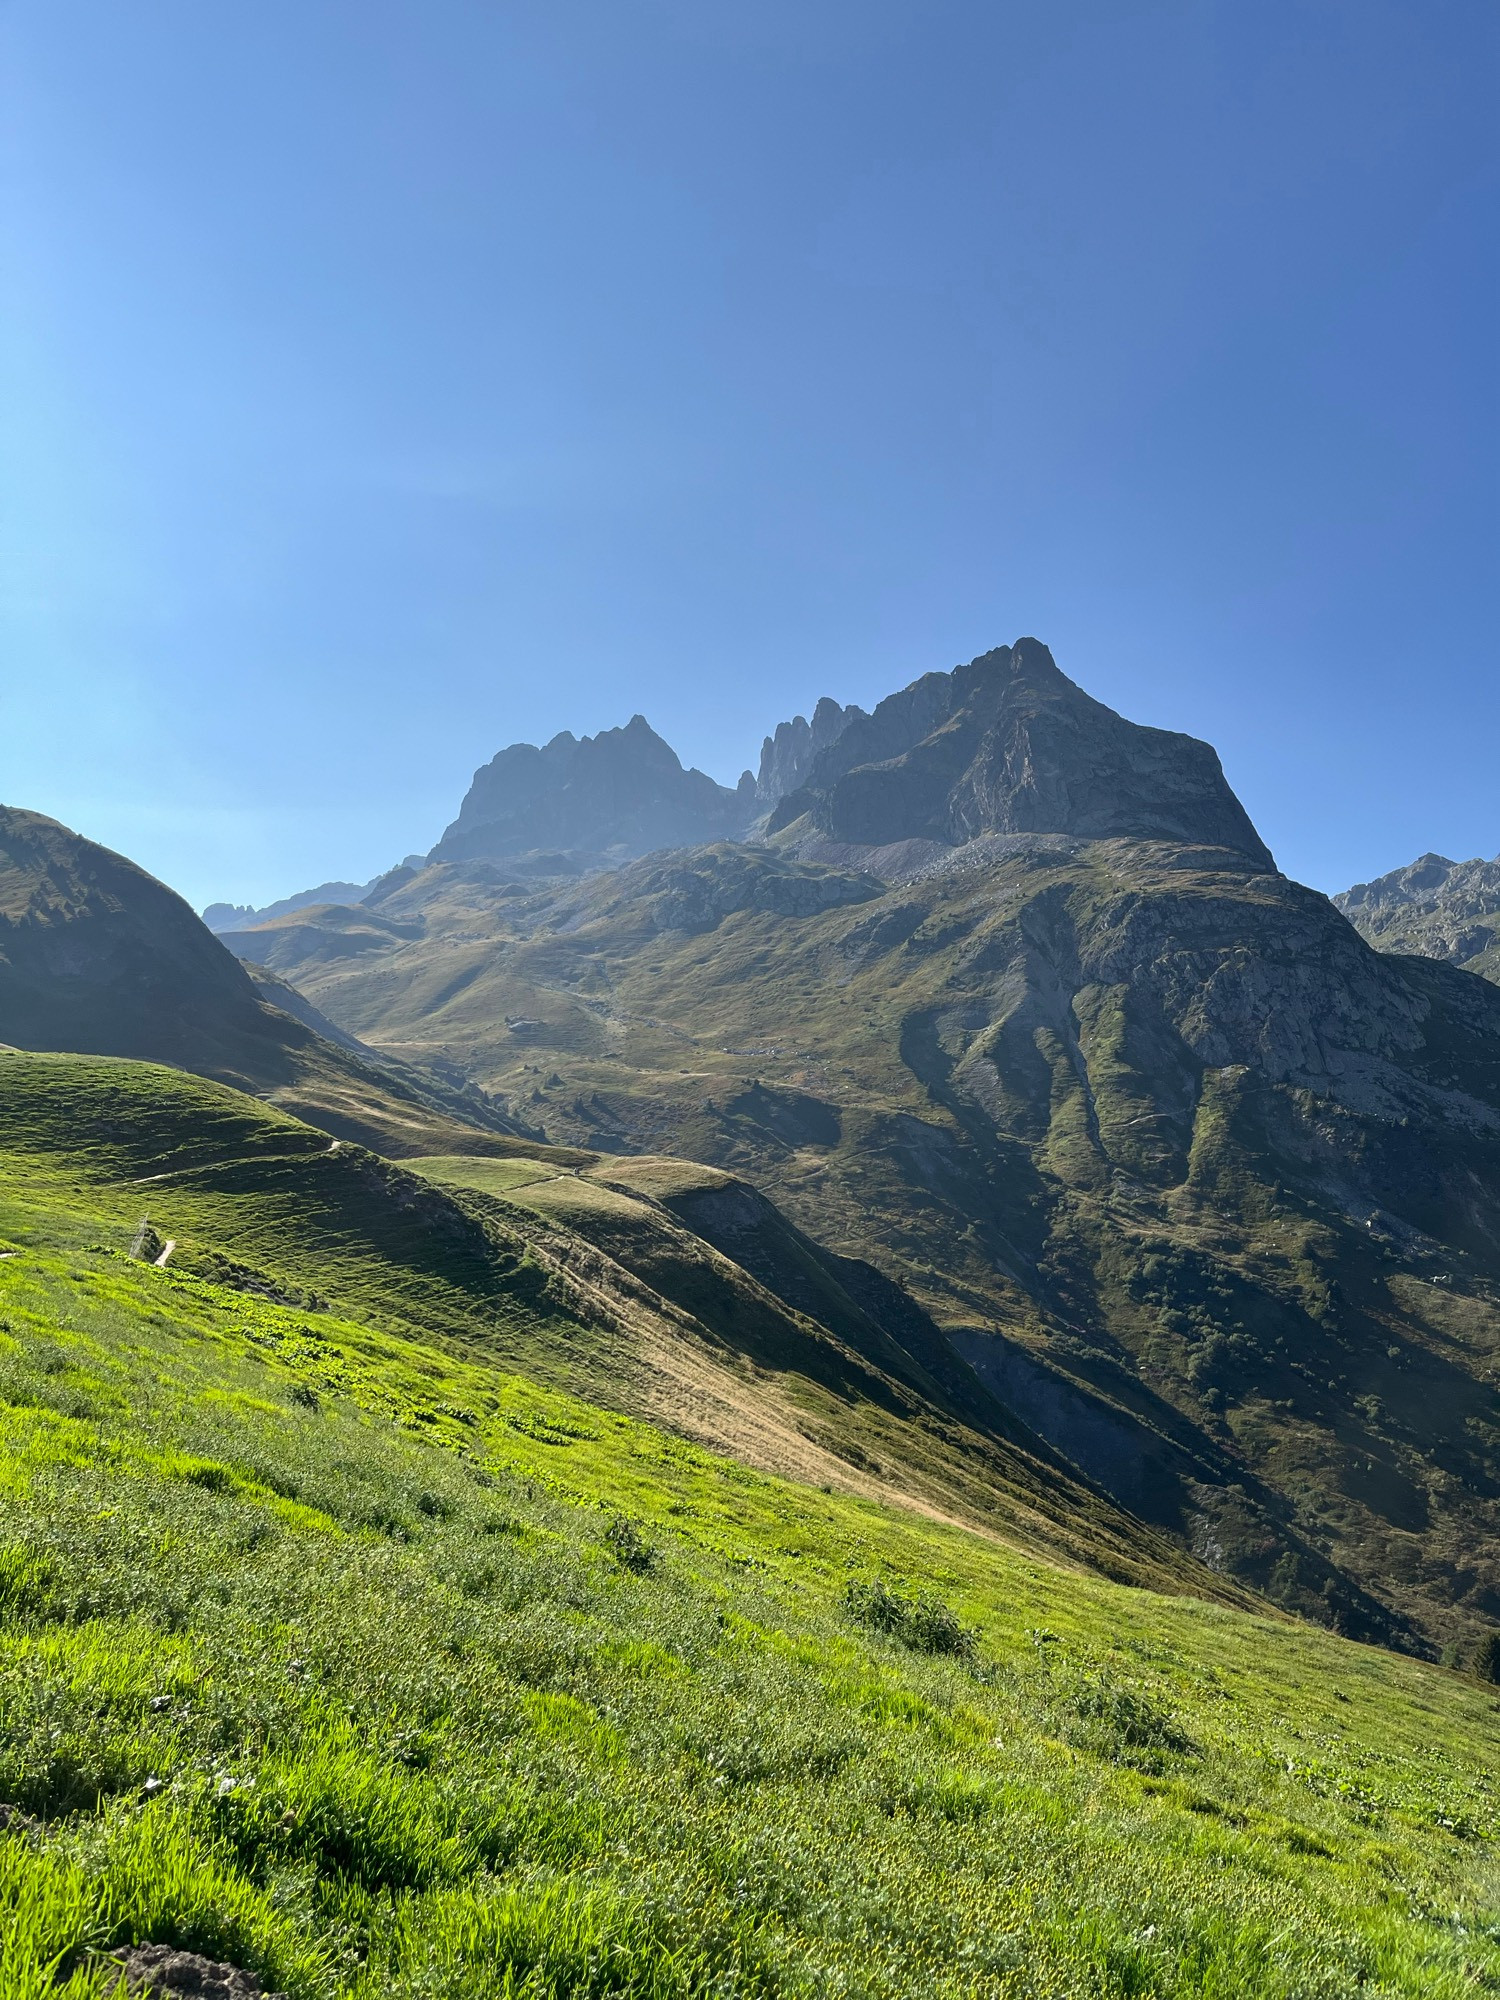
[{"x": 881, "y": 1382}]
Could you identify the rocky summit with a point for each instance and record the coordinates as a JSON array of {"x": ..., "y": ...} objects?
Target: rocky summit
[
  {"x": 1008, "y": 744},
  {"x": 786, "y": 757},
  {"x": 592, "y": 799}
]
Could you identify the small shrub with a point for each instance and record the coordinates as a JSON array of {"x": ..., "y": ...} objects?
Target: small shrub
[
  {"x": 306, "y": 1399},
  {"x": 384, "y": 1521},
  {"x": 924, "y": 1623},
  {"x": 1120, "y": 1722},
  {"x": 211, "y": 1477},
  {"x": 1487, "y": 1656},
  {"x": 629, "y": 1546}
]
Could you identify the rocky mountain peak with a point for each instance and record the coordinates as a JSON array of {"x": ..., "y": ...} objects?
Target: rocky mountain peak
[
  {"x": 1008, "y": 744},
  {"x": 786, "y": 757},
  {"x": 618, "y": 794},
  {"x": 1435, "y": 907}
]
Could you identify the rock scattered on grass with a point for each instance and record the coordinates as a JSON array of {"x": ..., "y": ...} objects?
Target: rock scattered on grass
[{"x": 163, "y": 1969}]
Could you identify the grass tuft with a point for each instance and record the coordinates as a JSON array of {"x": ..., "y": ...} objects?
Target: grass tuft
[{"x": 918, "y": 1620}]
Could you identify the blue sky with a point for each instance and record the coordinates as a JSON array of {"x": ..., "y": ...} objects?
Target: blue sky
[{"x": 383, "y": 383}]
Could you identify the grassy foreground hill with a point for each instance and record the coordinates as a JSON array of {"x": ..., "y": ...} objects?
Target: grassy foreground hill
[
  {"x": 98, "y": 957},
  {"x": 575, "y": 1283},
  {"x": 369, "y": 1665}
]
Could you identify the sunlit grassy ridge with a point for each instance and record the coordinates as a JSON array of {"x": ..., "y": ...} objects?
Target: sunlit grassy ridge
[
  {"x": 325, "y": 1652},
  {"x": 248, "y": 1194}
]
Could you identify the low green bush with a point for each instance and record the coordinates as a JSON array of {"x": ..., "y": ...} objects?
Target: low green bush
[{"x": 922, "y": 1622}]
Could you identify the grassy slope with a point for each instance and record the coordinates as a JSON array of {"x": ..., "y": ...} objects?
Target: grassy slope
[
  {"x": 318, "y": 1652},
  {"x": 806, "y": 1382},
  {"x": 220, "y": 1174}
]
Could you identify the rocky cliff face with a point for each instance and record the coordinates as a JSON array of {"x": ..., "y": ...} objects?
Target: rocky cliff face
[
  {"x": 1008, "y": 744},
  {"x": 608, "y": 797},
  {"x": 787, "y": 757},
  {"x": 1436, "y": 908}
]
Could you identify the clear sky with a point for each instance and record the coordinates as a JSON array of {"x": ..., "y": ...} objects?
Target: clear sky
[{"x": 383, "y": 383}]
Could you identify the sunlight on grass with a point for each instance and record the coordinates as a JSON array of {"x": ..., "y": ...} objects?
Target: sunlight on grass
[{"x": 379, "y": 1671}]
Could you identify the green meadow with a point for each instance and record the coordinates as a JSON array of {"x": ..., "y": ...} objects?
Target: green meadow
[{"x": 377, "y": 1670}]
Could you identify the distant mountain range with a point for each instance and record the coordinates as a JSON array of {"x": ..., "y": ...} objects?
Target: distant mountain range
[
  {"x": 1006, "y": 744},
  {"x": 235, "y": 916},
  {"x": 1436, "y": 908}
]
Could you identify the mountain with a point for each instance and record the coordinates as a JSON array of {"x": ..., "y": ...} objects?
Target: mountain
[
  {"x": 221, "y": 917},
  {"x": 605, "y": 797},
  {"x": 573, "y": 805},
  {"x": 1436, "y": 908},
  {"x": 786, "y": 757},
  {"x": 342, "y": 1656},
  {"x": 1008, "y": 744},
  {"x": 98, "y": 957},
  {"x": 1206, "y": 1190}
]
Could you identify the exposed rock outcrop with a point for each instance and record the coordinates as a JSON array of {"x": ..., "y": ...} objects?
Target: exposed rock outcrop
[
  {"x": 163, "y": 1969},
  {"x": 787, "y": 757},
  {"x": 1436, "y": 908},
  {"x": 1008, "y": 744}
]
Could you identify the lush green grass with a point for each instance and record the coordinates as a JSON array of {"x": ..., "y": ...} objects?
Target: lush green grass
[
  {"x": 249, "y": 1195},
  {"x": 326, "y": 1652},
  {"x": 492, "y": 1176}
]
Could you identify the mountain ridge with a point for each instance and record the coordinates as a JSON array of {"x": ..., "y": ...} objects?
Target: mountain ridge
[
  {"x": 619, "y": 793},
  {"x": 1006, "y": 745},
  {"x": 98, "y": 957},
  {"x": 1434, "y": 907}
]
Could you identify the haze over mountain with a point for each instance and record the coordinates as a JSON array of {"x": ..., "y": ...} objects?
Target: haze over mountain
[
  {"x": 1008, "y": 1000},
  {"x": 605, "y": 797},
  {"x": 1005, "y": 744},
  {"x": 235, "y": 916}
]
